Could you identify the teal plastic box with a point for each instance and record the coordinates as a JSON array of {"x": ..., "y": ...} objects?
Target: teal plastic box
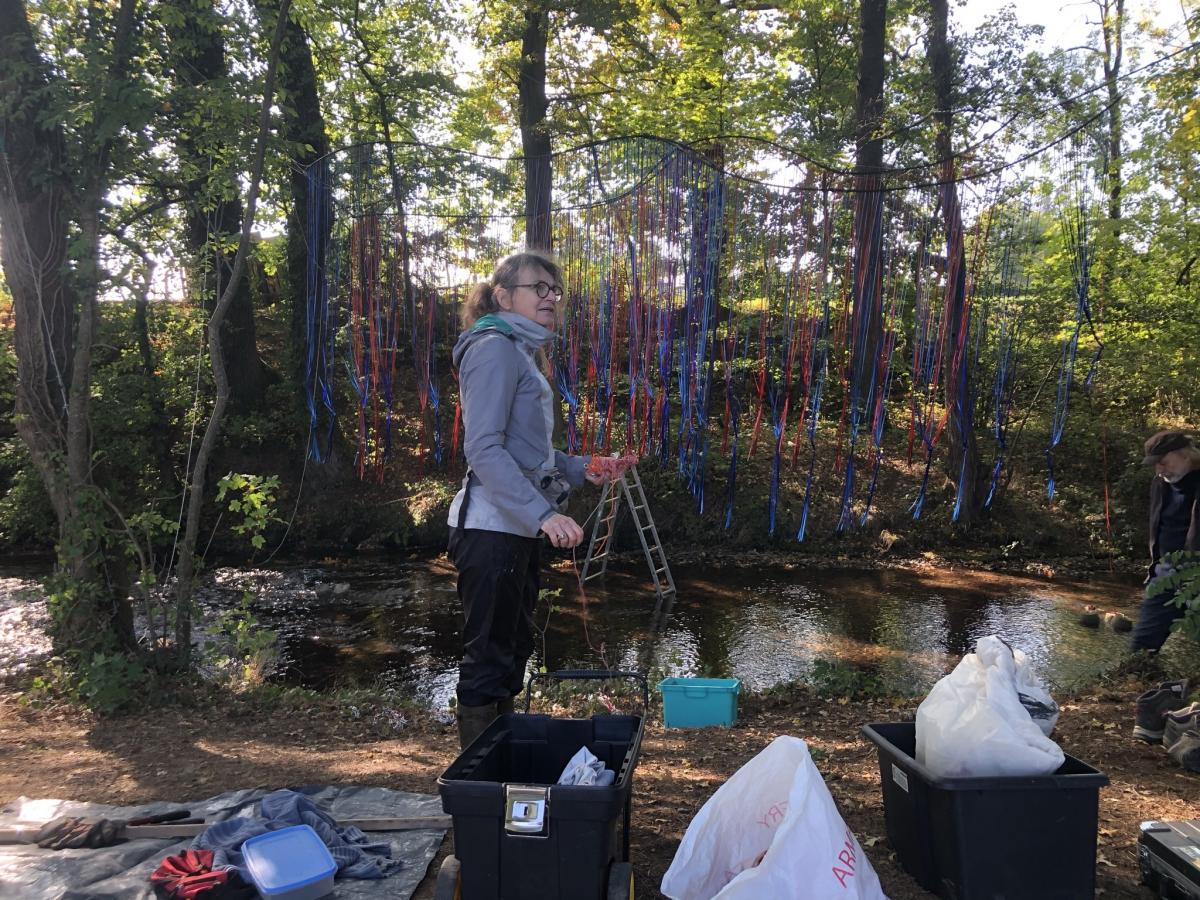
[{"x": 699, "y": 702}]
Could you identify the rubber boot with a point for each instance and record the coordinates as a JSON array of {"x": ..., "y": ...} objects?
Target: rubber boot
[{"x": 472, "y": 720}]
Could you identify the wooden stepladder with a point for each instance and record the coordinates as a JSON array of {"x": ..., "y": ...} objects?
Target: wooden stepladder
[{"x": 627, "y": 488}]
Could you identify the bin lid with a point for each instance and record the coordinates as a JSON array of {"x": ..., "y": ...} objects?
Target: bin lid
[
  {"x": 287, "y": 859},
  {"x": 713, "y": 684}
]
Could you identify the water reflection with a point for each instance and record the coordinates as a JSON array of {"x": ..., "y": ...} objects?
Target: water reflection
[{"x": 397, "y": 624}]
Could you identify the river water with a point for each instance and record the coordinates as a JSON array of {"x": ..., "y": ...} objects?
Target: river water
[
  {"x": 385, "y": 622},
  {"x": 396, "y": 623}
]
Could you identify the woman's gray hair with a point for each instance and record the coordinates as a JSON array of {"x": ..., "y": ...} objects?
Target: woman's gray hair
[{"x": 481, "y": 299}]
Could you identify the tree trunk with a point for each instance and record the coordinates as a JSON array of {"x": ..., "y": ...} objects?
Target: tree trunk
[
  {"x": 869, "y": 99},
  {"x": 535, "y": 137},
  {"x": 186, "y": 572},
  {"x": 535, "y": 147},
  {"x": 55, "y": 315},
  {"x": 866, "y": 322},
  {"x": 197, "y": 53},
  {"x": 34, "y": 214},
  {"x": 1112, "y": 29},
  {"x": 303, "y": 127},
  {"x": 960, "y": 394}
]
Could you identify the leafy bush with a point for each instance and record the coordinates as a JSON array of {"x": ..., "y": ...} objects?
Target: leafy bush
[
  {"x": 247, "y": 651},
  {"x": 253, "y": 497},
  {"x": 26, "y": 517},
  {"x": 838, "y": 679},
  {"x": 106, "y": 681},
  {"x": 1180, "y": 585}
]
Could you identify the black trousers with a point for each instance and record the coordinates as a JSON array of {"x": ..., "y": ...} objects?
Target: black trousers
[
  {"x": 498, "y": 581},
  {"x": 1154, "y": 621}
]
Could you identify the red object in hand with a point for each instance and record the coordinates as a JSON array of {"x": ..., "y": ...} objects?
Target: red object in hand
[{"x": 611, "y": 467}]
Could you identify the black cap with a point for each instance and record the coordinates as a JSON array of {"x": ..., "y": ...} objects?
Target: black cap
[{"x": 1165, "y": 442}]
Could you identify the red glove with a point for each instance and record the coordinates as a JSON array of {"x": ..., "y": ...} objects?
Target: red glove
[{"x": 190, "y": 874}]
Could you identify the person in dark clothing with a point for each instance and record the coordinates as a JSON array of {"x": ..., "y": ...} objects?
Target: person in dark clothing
[
  {"x": 516, "y": 483},
  {"x": 1174, "y": 525}
]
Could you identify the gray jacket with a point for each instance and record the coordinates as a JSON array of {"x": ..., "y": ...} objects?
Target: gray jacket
[{"x": 517, "y": 479}]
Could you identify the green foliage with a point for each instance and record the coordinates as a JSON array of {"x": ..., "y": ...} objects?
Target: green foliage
[
  {"x": 26, "y": 518},
  {"x": 109, "y": 681},
  {"x": 106, "y": 681},
  {"x": 246, "y": 651},
  {"x": 1182, "y": 583},
  {"x": 833, "y": 678},
  {"x": 253, "y": 498}
]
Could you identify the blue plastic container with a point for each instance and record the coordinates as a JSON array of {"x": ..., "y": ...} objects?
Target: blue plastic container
[
  {"x": 290, "y": 864},
  {"x": 699, "y": 702}
]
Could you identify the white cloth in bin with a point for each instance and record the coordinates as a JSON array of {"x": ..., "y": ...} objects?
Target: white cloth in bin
[
  {"x": 585, "y": 768},
  {"x": 976, "y": 722}
]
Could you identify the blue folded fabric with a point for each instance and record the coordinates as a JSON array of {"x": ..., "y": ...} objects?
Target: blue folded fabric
[{"x": 356, "y": 855}]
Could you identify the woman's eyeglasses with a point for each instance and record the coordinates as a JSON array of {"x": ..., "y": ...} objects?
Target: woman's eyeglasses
[{"x": 542, "y": 289}]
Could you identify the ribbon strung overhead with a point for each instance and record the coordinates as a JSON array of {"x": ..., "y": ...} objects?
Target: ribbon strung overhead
[{"x": 677, "y": 272}]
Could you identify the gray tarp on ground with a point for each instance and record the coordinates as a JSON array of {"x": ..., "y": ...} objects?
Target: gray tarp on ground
[{"x": 123, "y": 872}]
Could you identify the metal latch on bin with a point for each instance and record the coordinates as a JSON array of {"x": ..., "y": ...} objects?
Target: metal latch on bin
[{"x": 526, "y": 809}]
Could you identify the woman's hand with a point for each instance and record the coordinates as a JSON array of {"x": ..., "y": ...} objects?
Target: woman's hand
[{"x": 563, "y": 531}]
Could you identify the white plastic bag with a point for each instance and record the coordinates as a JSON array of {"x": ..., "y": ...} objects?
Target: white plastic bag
[
  {"x": 771, "y": 831},
  {"x": 1034, "y": 696},
  {"x": 974, "y": 723}
]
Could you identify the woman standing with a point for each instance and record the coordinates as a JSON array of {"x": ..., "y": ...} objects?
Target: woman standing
[{"x": 516, "y": 482}]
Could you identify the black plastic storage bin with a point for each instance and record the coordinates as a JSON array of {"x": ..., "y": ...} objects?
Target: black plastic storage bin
[
  {"x": 492, "y": 792},
  {"x": 989, "y": 838}
]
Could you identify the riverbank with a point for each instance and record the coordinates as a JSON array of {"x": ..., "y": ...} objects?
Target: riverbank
[{"x": 197, "y": 744}]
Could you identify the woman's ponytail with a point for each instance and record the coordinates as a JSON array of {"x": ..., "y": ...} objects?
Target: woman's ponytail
[{"x": 481, "y": 300}]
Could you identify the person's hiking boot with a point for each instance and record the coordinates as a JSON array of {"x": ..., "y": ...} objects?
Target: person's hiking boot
[
  {"x": 472, "y": 720},
  {"x": 1153, "y": 706},
  {"x": 1181, "y": 736}
]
